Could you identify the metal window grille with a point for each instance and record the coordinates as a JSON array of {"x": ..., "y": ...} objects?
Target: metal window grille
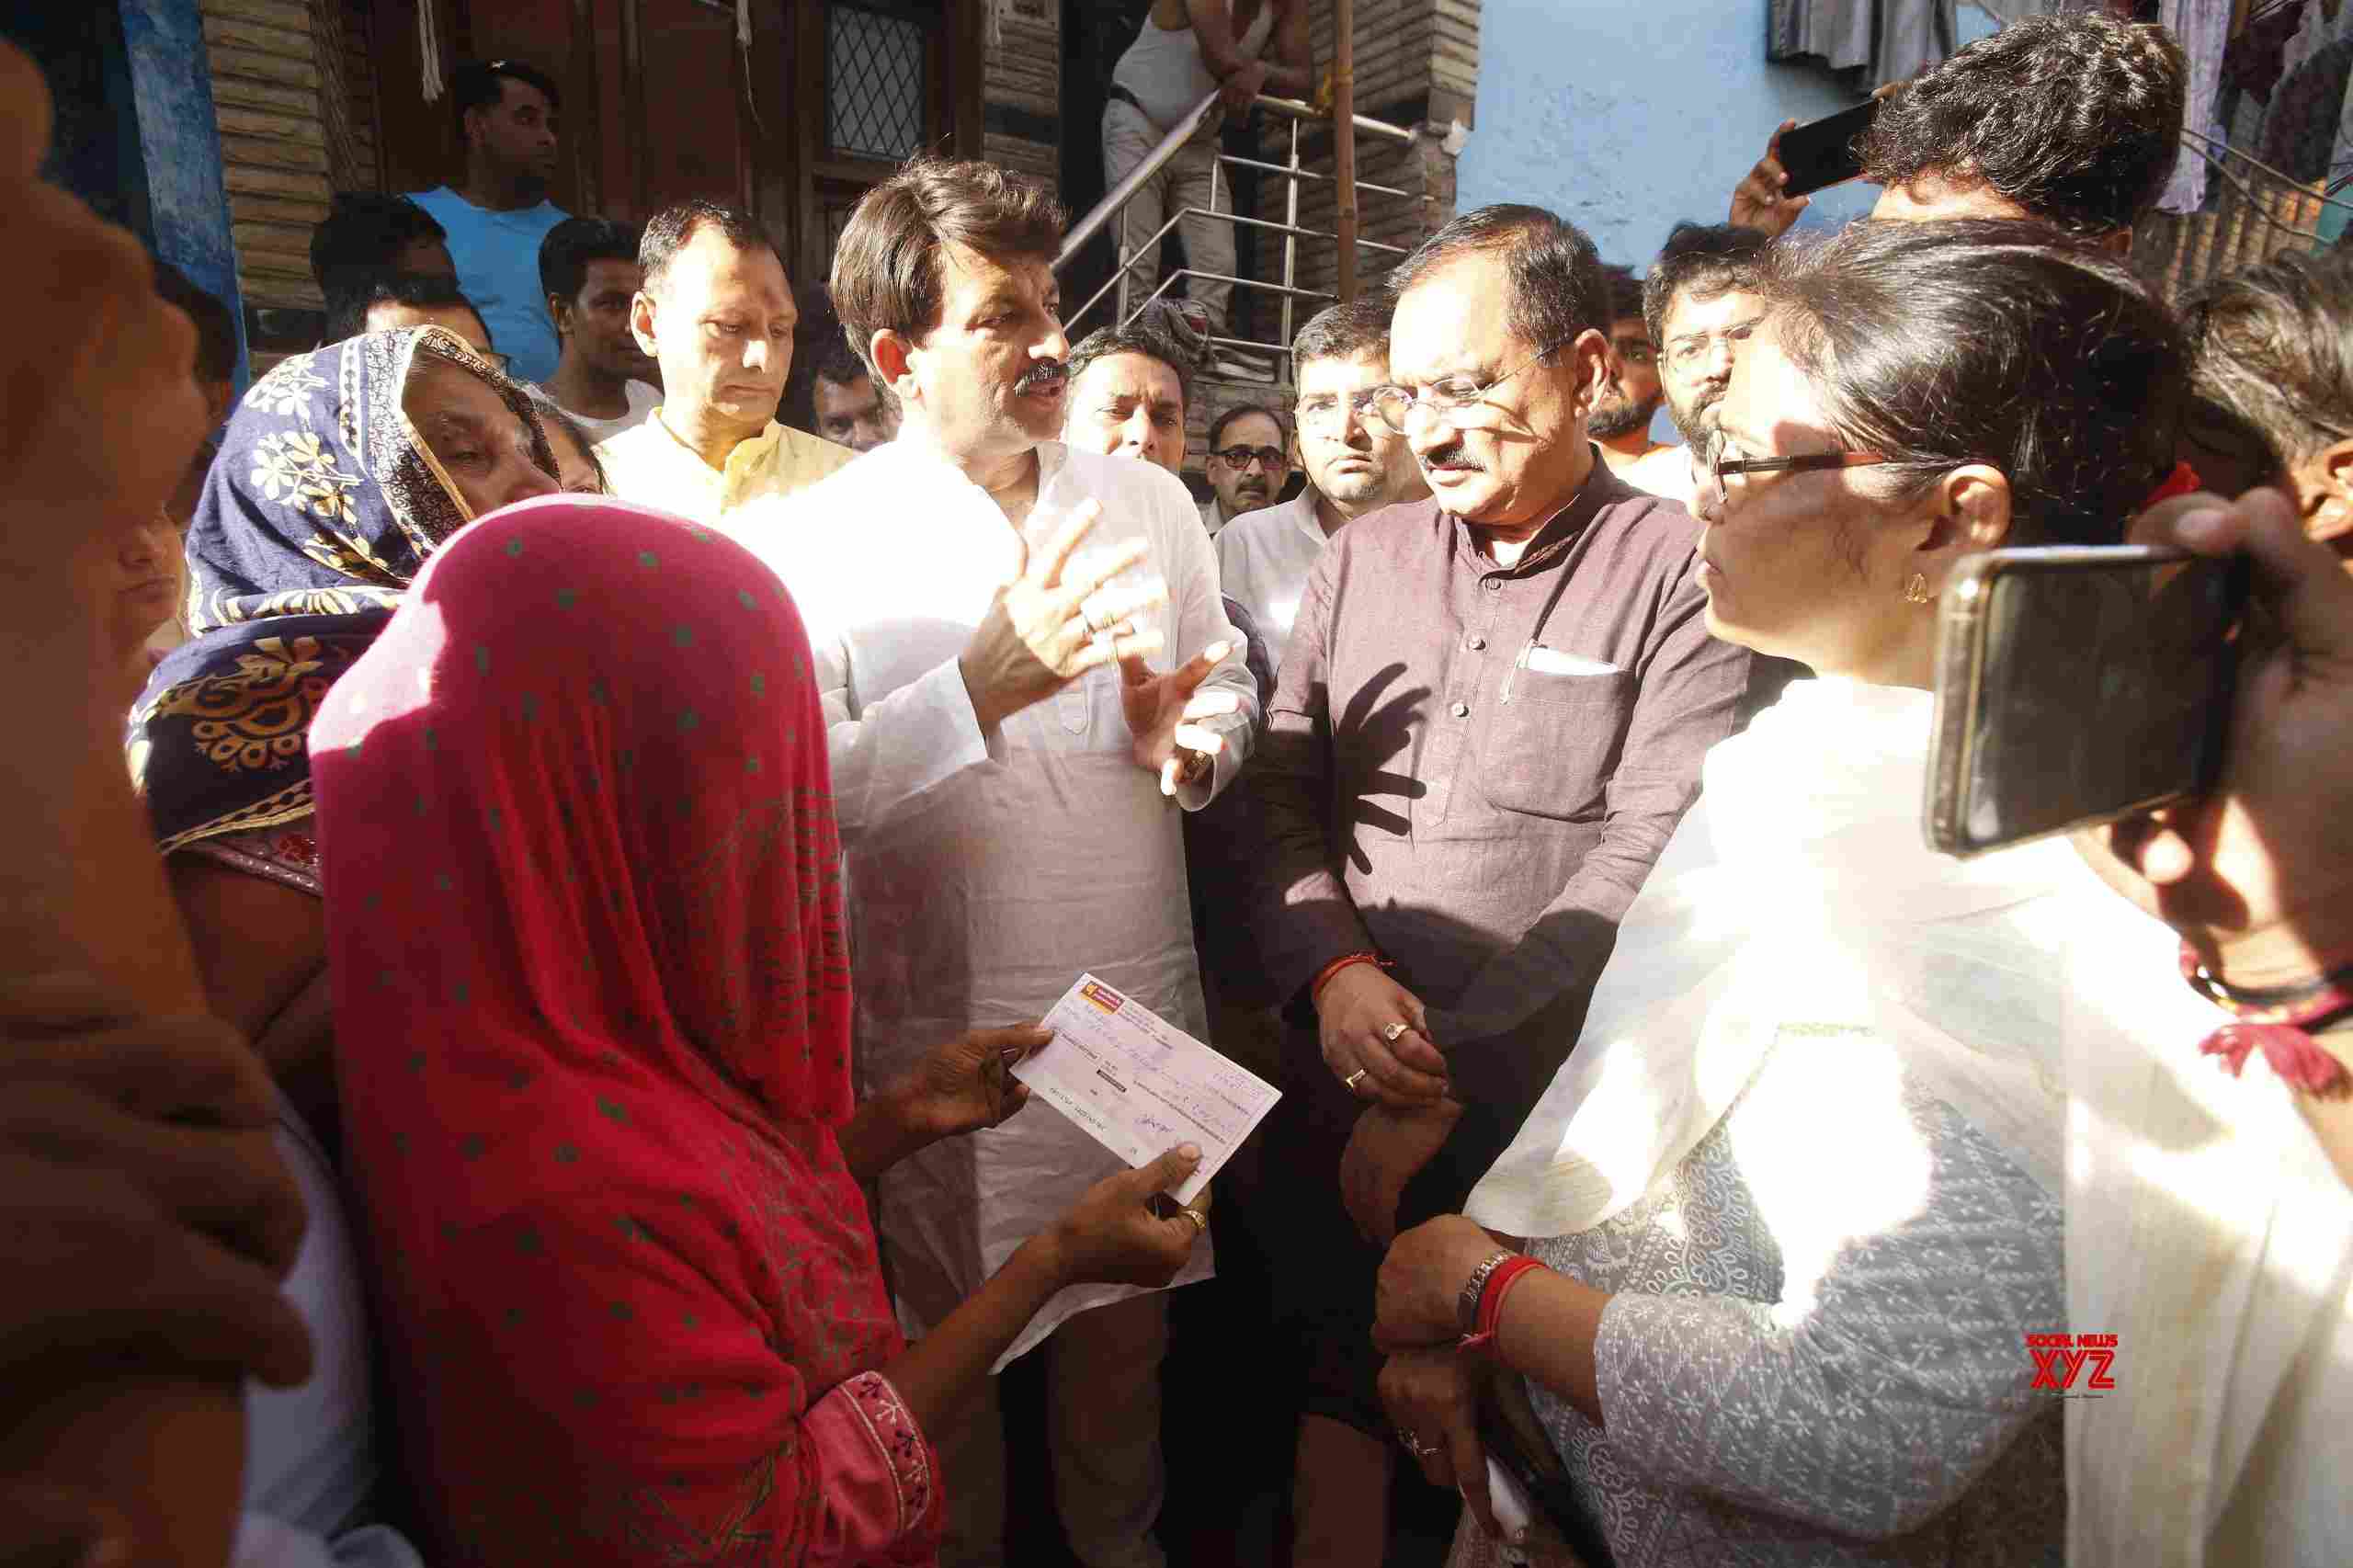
[{"x": 874, "y": 83}]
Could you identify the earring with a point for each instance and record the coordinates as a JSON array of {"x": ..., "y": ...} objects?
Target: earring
[{"x": 1916, "y": 592}]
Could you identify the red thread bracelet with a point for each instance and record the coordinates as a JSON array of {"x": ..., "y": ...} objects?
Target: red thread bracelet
[
  {"x": 1324, "y": 976},
  {"x": 1491, "y": 1301},
  {"x": 2182, "y": 480},
  {"x": 2277, "y": 1022}
]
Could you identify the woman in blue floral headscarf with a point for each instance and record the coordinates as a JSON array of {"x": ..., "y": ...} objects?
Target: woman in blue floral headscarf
[
  {"x": 323, "y": 503},
  {"x": 342, "y": 471}
]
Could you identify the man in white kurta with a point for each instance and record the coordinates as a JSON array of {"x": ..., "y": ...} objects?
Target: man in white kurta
[
  {"x": 989, "y": 872},
  {"x": 990, "y": 865}
]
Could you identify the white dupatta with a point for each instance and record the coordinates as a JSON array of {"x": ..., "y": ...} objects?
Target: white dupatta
[
  {"x": 2207, "y": 1232},
  {"x": 1796, "y": 897},
  {"x": 2205, "y": 1229}
]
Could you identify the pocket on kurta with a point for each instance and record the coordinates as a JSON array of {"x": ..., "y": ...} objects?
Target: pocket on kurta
[
  {"x": 1074, "y": 703},
  {"x": 1547, "y": 742}
]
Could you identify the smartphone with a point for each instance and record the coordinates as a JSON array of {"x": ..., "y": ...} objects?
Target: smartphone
[
  {"x": 1821, "y": 153},
  {"x": 2075, "y": 686}
]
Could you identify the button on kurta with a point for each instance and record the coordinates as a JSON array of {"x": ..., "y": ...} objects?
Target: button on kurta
[
  {"x": 1460, "y": 711},
  {"x": 1474, "y": 643}
]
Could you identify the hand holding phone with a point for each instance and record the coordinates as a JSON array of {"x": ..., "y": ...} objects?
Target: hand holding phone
[
  {"x": 1758, "y": 202},
  {"x": 2078, "y": 685},
  {"x": 2255, "y": 873},
  {"x": 1821, "y": 153}
]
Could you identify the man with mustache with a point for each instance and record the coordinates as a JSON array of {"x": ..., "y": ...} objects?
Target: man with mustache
[
  {"x": 715, "y": 312},
  {"x": 496, "y": 215},
  {"x": 1698, "y": 308},
  {"x": 1489, "y": 718},
  {"x": 1010, "y": 773},
  {"x": 1621, "y": 421},
  {"x": 1249, "y": 458}
]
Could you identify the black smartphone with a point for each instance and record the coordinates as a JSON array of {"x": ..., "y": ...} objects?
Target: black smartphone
[
  {"x": 2075, "y": 686},
  {"x": 1821, "y": 153}
]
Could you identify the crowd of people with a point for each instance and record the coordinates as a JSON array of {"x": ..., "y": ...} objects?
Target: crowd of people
[{"x": 521, "y": 1066}]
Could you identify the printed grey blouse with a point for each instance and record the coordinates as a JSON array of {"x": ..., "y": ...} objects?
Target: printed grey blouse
[{"x": 1783, "y": 1387}]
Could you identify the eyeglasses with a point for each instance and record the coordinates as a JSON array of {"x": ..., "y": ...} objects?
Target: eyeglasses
[
  {"x": 1686, "y": 353},
  {"x": 1330, "y": 412},
  {"x": 1725, "y": 468},
  {"x": 1270, "y": 458},
  {"x": 1454, "y": 400}
]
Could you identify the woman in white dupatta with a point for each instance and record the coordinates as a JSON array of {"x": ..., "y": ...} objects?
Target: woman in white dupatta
[{"x": 1797, "y": 1188}]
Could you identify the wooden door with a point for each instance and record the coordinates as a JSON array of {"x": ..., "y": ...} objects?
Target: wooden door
[{"x": 661, "y": 102}]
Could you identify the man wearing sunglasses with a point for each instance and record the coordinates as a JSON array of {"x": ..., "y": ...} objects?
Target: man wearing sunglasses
[
  {"x": 1249, "y": 460},
  {"x": 1488, "y": 719}
]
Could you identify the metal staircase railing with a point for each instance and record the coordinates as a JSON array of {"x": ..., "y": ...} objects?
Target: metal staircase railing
[{"x": 1288, "y": 292}]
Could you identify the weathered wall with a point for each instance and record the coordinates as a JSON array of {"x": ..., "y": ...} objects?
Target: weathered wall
[
  {"x": 1021, "y": 83},
  {"x": 1628, "y": 119},
  {"x": 1624, "y": 119}
]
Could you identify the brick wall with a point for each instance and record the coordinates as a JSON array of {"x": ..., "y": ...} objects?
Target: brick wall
[{"x": 1022, "y": 75}]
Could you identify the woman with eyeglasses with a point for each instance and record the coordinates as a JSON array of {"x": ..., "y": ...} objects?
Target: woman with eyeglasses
[{"x": 1796, "y": 1195}]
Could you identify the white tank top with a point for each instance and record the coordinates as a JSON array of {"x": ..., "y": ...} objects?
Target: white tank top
[{"x": 1165, "y": 70}]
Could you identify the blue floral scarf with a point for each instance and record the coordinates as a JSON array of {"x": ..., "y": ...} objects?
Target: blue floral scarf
[{"x": 320, "y": 510}]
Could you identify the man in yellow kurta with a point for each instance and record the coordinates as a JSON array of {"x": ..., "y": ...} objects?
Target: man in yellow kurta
[{"x": 716, "y": 312}]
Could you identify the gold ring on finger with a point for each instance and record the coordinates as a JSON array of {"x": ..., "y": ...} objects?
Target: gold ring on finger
[
  {"x": 1350, "y": 1082},
  {"x": 1200, "y": 1221},
  {"x": 1390, "y": 1031}
]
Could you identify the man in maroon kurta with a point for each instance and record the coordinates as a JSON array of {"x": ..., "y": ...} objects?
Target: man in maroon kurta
[{"x": 1488, "y": 720}]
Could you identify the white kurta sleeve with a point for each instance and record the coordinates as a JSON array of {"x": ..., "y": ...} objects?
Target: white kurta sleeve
[
  {"x": 888, "y": 757},
  {"x": 1196, "y": 612}
]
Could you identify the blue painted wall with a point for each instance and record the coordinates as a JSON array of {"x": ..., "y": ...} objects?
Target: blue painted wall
[
  {"x": 1627, "y": 118},
  {"x": 135, "y": 133},
  {"x": 179, "y": 142}
]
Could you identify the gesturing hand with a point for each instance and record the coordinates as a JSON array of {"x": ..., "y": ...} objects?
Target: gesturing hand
[
  {"x": 147, "y": 1212},
  {"x": 1357, "y": 1019},
  {"x": 968, "y": 1083},
  {"x": 1757, "y": 201},
  {"x": 1165, "y": 714},
  {"x": 1111, "y": 1236},
  {"x": 1057, "y": 619},
  {"x": 180, "y": 1108}
]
